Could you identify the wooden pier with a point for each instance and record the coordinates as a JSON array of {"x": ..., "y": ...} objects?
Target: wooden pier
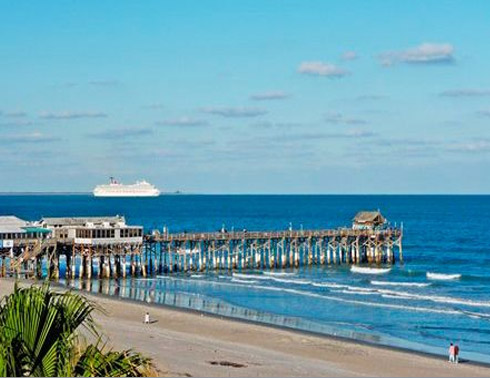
[
  {"x": 108, "y": 248},
  {"x": 271, "y": 250}
]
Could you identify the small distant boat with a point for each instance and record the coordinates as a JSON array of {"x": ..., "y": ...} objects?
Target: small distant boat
[
  {"x": 368, "y": 270},
  {"x": 117, "y": 189}
]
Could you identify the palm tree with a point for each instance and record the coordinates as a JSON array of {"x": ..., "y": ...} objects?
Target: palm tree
[{"x": 40, "y": 336}]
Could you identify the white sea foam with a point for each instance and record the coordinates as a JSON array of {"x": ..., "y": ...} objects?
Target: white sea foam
[
  {"x": 394, "y": 283},
  {"x": 293, "y": 281},
  {"x": 364, "y": 303},
  {"x": 249, "y": 276},
  {"x": 476, "y": 315},
  {"x": 243, "y": 281},
  {"x": 392, "y": 294},
  {"x": 353, "y": 292},
  {"x": 278, "y": 274},
  {"x": 197, "y": 275},
  {"x": 270, "y": 278},
  {"x": 436, "y": 298},
  {"x": 367, "y": 270},
  {"x": 385, "y": 293},
  {"x": 333, "y": 285},
  {"x": 441, "y": 276},
  {"x": 329, "y": 285}
]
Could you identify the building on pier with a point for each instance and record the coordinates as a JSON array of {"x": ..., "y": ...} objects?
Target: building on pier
[
  {"x": 368, "y": 220},
  {"x": 19, "y": 239},
  {"x": 16, "y": 234},
  {"x": 93, "y": 230},
  {"x": 102, "y": 244},
  {"x": 13, "y": 228}
]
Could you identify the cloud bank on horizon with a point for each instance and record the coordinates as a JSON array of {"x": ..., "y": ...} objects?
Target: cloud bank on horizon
[{"x": 295, "y": 97}]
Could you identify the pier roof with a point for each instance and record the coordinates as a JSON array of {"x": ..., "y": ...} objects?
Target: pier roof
[
  {"x": 10, "y": 223},
  {"x": 81, "y": 221},
  {"x": 369, "y": 217}
]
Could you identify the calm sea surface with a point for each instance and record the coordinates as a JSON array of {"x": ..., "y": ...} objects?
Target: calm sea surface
[{"x": 449, "y": 235}]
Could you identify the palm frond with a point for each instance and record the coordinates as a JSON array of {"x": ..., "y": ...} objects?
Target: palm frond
[
  {"x": 95, "y": 361},
  {"x": 39, "y": 336}
]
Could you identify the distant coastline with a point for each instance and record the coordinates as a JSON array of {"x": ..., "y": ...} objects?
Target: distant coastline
[
  {"x": 69, "y": 193},
  {"x": 261, "y": 194},
  {"x": 45, "y": 193}
]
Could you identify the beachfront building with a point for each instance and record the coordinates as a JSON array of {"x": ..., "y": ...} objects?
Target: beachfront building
[
  {"x": 94, "y": 245},
  {"x": 368, "y": 220},
  {"x": 93, "y": 230},
  {"x": 20, "y": 240}
]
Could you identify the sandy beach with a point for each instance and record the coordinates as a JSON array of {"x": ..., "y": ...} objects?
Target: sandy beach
[{"x": 189, "y": 344}]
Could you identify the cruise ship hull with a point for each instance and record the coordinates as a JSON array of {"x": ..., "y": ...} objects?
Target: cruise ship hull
[
  {"x": 106, "y": 194},
  {"x": 116, "y": 189}
]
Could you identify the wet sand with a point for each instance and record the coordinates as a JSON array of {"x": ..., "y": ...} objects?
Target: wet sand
[{"x": 192, "y": 344}]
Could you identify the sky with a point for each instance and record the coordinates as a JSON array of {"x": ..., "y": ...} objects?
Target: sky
[{"x": 249, "y": 96}]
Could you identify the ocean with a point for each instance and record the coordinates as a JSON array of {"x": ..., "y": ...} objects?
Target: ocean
[{"x": 441, "y": 293}]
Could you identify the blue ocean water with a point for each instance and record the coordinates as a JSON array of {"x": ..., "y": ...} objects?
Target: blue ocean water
[{"x": 409, "y": 306}]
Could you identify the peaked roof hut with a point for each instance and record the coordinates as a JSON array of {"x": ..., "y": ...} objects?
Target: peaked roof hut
[{"x": 368, "y": 219}]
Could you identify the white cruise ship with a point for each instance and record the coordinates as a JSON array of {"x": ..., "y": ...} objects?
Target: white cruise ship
[{"x": 116, "y": 189}]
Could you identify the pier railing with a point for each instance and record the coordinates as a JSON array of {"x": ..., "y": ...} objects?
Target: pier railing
[
  {"x": 165, "y": 253},
  {"x": 251, "y": 235}
]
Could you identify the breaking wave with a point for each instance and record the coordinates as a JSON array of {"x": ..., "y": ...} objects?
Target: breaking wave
[
  {"x": 271, "y": 278},
  {"x": 353, "y": 301},
  {"x": 367, "y": 270},
  {"x": 243, "y": 281},
  {"x": 279, "y": 274},
  {"x": 441, "y": 276},
  {"x": 395, "y": 283}
]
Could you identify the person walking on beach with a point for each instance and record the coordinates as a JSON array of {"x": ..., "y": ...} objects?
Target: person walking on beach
[
  {"x": 452, "y": 353},
  {"x": 147, "y": 318},
  {"x": 456, "y": 353}
]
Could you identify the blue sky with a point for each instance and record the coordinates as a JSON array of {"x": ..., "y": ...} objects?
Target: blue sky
[{"x": 246, "y": 96}]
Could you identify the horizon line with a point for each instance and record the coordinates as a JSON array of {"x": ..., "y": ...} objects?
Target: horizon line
[{"x": 40, "y": 193}]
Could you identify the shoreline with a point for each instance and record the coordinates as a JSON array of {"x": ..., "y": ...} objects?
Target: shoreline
[
  {"x": 269, "y": 325},
  {"x": 225, "y": 327}
]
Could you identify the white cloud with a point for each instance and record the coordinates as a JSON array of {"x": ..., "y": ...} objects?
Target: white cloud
[
  {"x": 71, "y": 115},
  {"x": 472, "y": 147},
  {"x": 321, "y": 69},
  {"x": 182, "y": 121},
  {"x": 34, "y": 137},
  {"x": 466, "y": 92},
  {"x": 424, "y": 53},
  {"x": 349, "y": 55},
  {"x": 121, "y": 133},
  {"x": 235, "y": 112},
  {"x": 16, "y": 122},
  {"x": 404, "y": 142},
  {"x": 357, "y": 133},
  {"x": 15, "y": 114},
  {"x": 349, "y": 134},
  {"x": 338, "y": 118},
  {"x": 281, "y": 125},
  {"x": 272, "y": 95}
]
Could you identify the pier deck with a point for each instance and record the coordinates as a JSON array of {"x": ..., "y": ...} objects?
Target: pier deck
[
  {"x": 272, "y": 249},
  {"x": 250, "y": 235},
  {"x": 106, "y": 249}
]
